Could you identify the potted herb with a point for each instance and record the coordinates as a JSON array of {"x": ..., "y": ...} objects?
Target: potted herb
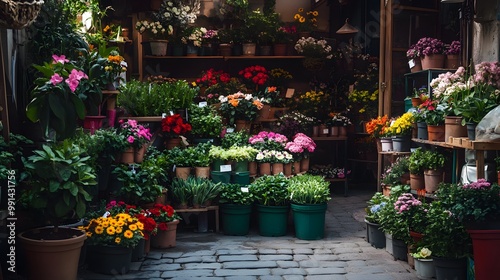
[
  {"x": 59, "y": 176},
  {"x": 309, "y": 195},
  {"x": 433, "y": 163},
  {"x": 236, "y": 207},
  {"x": 271, "y": 195}
]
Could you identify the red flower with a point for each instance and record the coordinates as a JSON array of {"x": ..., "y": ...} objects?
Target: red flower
[
  {"x": 175, "y": 125},
  {"x": 162, "y": 226}
]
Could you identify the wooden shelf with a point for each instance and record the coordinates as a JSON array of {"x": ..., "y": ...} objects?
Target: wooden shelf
[
  {"x": 214, "y": 208},
  {"x": 395, "y": 153},
  {"x": 225, "y": 57},
  {"x": 330, "y": 138},
  {"x": 110, "y": 92},
  {"x": 434, "y": 143},
  {"x": 466, "y": 143}
]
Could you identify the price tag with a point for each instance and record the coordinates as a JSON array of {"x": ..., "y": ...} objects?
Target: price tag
[
  {"x": 163, "y": 115},
  {"x": 325, "y": 131},
  {"x": 411, "y": 63},
  {"x": 105, "y": 215},
  {"x": 244, "y": 189},
  {"x": 289, "y": 93},
  {"x": 171, "y": 113},
  {"x": 225, "y": 168},
  {"x": 202, "y": 104},
  {"x": 229, "y": 130},
  {"x": 173, "y": 168}
]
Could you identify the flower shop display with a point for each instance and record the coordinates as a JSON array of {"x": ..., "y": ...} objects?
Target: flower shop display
[
  {"x": 424, "y": 264},
  {"x": 452, "y": 53},
  {"x": 477, "y": 206},
  {"x": 375, "y": 236},
  {"x": 432, "y": 52},
  {"x": 137, "y": 136},
  {"x": 240, "y": 107},
  {"x": 309, "y": 195},
  {"x": 167, "y": 219},
  {"x": 174, "y": 126},
  {"x": 157, "y": 34},
  {"x": 433, "y": 164},
  {"x": 315, "y": 52},
  {"x": 236, "y": 207},
  {"x": 111, "y": 240},
  {"x": 271, "y": 196}
]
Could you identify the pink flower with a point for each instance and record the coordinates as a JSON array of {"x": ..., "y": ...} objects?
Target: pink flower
[
  {"x": 130, "y": 139},
  {"x": 59, "y": 59},
  {"x": 56, "y": 79}
]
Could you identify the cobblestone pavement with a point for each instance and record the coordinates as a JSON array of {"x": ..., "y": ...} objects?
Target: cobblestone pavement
[{"x": 343, "y": 254}]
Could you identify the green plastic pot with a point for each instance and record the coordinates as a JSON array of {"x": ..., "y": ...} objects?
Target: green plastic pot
[
  {"x": 223, "y": 177},
  {"x": 241, "y": 166},
  {"x": 236, "y": 219},
  {"x": 240, "y": 178},
  {"x": 309, "y": 220},
  {"x": 273, "y": 220}
]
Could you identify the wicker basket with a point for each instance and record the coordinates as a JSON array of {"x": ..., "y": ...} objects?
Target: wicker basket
[{"x": 18, "y": 14}]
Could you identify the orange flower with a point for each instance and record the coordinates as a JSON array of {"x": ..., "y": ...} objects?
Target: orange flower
[
  {"x": 258, "y": 104},
  {"x": 271, "y": 89},
  {"x": 377, "y": 126},
  {"x": 234, "y": 102}
]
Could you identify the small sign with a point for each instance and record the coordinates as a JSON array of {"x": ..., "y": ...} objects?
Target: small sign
[
  {"x": 163, "y": 115},
  {"x": 244, "y": 189},
  {"x": 106, "y": 214},
  {"x": 229, "y": 130},
  {"x": 325, "y": 131},
  {"x": 171, "y": 113},
  {"x": 202, "y": 104},
  {"x": 173, "y": 168},
  {"x": 225, "y": 168},
  {"x": 411, "y": 63},
  {"x": 289, "y": 92}
]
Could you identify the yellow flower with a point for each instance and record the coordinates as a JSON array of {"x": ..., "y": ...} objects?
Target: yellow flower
[
  {"x": 296, "y": 16},
  {"x": 301, "y": 10},
  {"x": 99, "y": 229},
  {"x": 120, "y": 223},
  {"x": 118, "y": 230},
  {"x": 302, "y": 19},
  {"x": 140, "y": 225},
  {"x": 118, "y": 240},
  {"x": 110, "y": 231},
  {"x": 105, "y": 224},
  {"x": 89, "y": 234},
  {"x": 315, "y": 13},
  {"x": 132, "y": 227},
  {"x": 128, "y": 234}
]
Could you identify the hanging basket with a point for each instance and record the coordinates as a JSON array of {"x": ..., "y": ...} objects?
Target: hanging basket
[{"x": 17, "y": 14}]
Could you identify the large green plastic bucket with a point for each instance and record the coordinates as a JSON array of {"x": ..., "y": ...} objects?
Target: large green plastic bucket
[
  {"x": 273, "y": 220},
  {"x": 241, "y": 166},
  {"x": 223, "y": 177},
  {"x": 236, "y": 219},
  {"x": 240, "y": 178},
  {"x": 309, "y": 221}
]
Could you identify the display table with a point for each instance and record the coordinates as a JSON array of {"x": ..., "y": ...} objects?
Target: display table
[{"x": 214, "y": 208}]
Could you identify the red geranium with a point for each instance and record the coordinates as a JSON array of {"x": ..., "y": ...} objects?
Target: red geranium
[
  {"x": 163, "y": 214},
  {"x": 150, "y": 227},
  {"x": 174, "y": 125},
  {"x": 212, "y": 77},
  {"x": 257, "y": 75}
]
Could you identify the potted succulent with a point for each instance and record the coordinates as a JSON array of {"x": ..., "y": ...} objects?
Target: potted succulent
[
  {"x": 309, "y": 195},
  {"x": 375, "y": 236},
  {"x": 433, "y": 163},
  {"x": 236, "y": 206},
  {"x": 271, "y": 196},
  {"x": 58, "y": 176},
  {"x": 111, "y": 240},
  {"x": 477, "y": 206}
]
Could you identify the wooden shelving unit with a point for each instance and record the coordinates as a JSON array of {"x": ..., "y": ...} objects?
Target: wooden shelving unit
[{"x": 336, "y": 139}]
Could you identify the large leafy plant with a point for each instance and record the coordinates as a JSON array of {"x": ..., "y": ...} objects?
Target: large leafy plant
[
  {"x": 270, "y": 190},
  {"x": 235, "y": 194},
  {"x": 205, "y": 122},
  {"x": 60, "y": 178},
  {"x": 140, "y": 183},
  {"x": 309, "y": 189}
]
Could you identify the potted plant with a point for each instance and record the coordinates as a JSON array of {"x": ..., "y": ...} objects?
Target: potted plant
[
  {"x": 167, "y": 219},
  {"x": 449, "y": 242},
  {"x": 413, "y": 56},
  {"x": 206, "y": 124},
  {"x": 182, "y": 159},
  {"x": 309, "y": 195},
  {"x": 202, "y": 160},
  {"x": 316, "y": 52},
  {"x": 433, "y": 163},
  {"x": 305, "y": 21},
  {"x": 111, "y": 240},
  {"x": 271, "y": 196},
  {"x": 424, "y": 264},
  {"x": 416, "y": 168},
  {"x": 236, "y": 205},
  {"x": 301, "y": 146},
  {"x": 397, "y": 173},
  {"x": 477, "y": 207},
  {"x": 414, "y": 211},
  {"x": 174, "y": 126},
  {"x": 375, "y": 236},
  {"x": 452, "y": 52},
  {"x": 157, "y": 34},
  {"x": 141, "y": 183},
  {"x": 432, "y": 52},
  {"x": 59, "y": 175},
  {"x": 401, "y": 130},
  {"x": 137, "y": 136}
]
